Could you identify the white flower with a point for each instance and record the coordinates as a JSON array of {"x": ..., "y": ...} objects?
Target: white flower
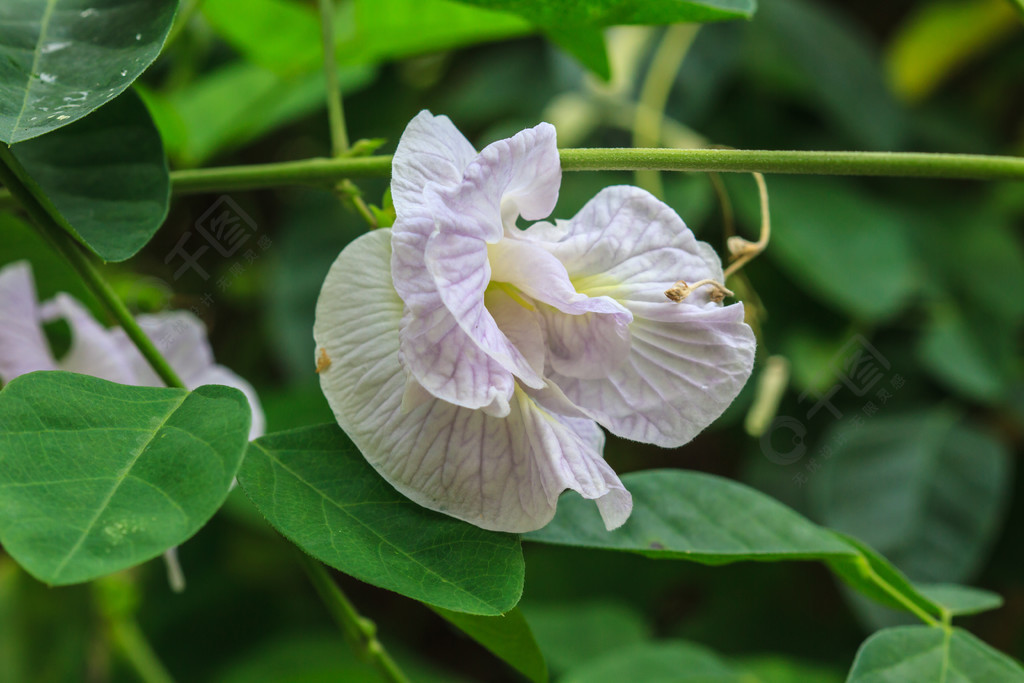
[
  {"x": 472, "y": 361},
  {"x": 105, "y": 353}
]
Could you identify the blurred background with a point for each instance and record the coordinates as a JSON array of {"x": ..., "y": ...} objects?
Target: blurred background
[{"x": 889, "y": 313}]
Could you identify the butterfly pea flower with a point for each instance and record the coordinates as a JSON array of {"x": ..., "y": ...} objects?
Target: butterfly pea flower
[
  {"x": 474, "y": 362},
  {"x": 103, "y": 352}
]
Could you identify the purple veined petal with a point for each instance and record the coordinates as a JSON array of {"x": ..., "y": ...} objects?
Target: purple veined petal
[
  {"x": 431, "y": 150},
  {"x": 586, "y": 336},
  {"x": 94, "y": 349},
  {"x": 677, "y": 379},
  {"x": 23, "y": 346},
  {"x": 517, "y": 176},
  {"x": 498, "y": 473},
  {"x": 627, "y": 244}
]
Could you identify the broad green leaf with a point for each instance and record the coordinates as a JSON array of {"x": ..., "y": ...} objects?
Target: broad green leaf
[
  {"x": 660, "y": 662},
  {"x": 280, "y": 35},
  {"x": 842, "y": 246},
  {"x": 61, "y": 59},
  {"x": 314, "y": 487},
  {"x": 685, "y": 515},
  {"x": 960, "y": 600},
  {"x": 96, "y": 477},
  {"x": 919, "y": 654},
  {"x": 569, "y": 13},
  {"x": 391, "y": 29},
  {"x": 845, "y": 80},
  {"x": 694, "y": 516},
  {"x": 922, "y": 489},
  {"x": 507, "y": 636},
  {"x": 107, "y": 176},
  {"x": 938, "y": 38},
  {"x": 571, "y": 634}
]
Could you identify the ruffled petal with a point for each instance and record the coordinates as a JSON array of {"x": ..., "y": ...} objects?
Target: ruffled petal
[
  {"x": 431, "y": 150},
  {"x": 587, "y": 336},
  {"x": 628, "y": 245},
  {"x": 23, "y": 346},
  {"x": 687, "y": 361},
  {"x": 677, "y": 379},
  {"x": 94, "y": 349},
  {"x": 499, "y": 473}
]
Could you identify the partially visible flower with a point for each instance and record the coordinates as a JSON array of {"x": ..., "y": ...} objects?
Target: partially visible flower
[
  {"x": 471, "y": 361},
  {"x": 101, "y": 352}
]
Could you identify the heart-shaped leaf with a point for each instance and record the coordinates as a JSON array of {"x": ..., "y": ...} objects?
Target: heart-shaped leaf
[{"x": 96, "y": 477}]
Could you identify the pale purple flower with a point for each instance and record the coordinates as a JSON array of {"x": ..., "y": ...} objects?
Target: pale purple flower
[
  {"x": 472, "y": 361},
  {"x": 101, "y": 352}
]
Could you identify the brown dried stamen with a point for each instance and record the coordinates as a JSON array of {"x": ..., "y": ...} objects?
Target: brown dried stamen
[
  {"x": 681, "y": 290},
  {"x": 323, "y": 361}
]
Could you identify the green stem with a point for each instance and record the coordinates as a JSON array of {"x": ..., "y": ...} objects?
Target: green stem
[
  {"x": 360, "y": 631},
  {"x": 50, "y": 223},
  {"x": 650, "y": 111},
  {"x": 335, "y": 107},
  {"x": 130, "y": 641},
  {"x": 326, "y": 172}
]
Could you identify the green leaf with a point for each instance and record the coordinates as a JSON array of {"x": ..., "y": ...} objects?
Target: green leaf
[
  {"x": 106, "y": 175},
  {"x": 391, "y": 29},
  {"x": 571, "y": 634},
  {"x": 314, "y": 487},
  {"x": 919, "y": 654},
  {"x": 278, "y": 35},
  {"x": 694, "y": 516},
  {"x": 960, "y": 600},
  {"x": 571, "y": 13},
  {"x": 61, "y": 59},
  {"x": 507, "y": 636},
  {"x": 587, "y": 45},
  {"x": 925, "y": 491},
  {"x": 938, "y": 38},
  {"x": 842, "y": 246},
  {"x": 236, "y": 104},
  {"x": 666, "y": 662},
  {"x": 874, "y": 577},
  {"x": 96, "y": 476},
  {"x": 685, "y": 515}
]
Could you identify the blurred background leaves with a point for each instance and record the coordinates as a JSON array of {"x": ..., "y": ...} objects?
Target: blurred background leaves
[{"x": 930, "y": 274}]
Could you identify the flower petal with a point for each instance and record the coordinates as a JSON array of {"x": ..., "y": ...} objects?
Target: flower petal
[
  {"x": 627, "y": 244},
  {"x": 182, "y": 339},
  {"x": 587, "y": 336},
  {"x": 499, "y": 473},
  {"x": 431, "y": 150},
  {"x": 23, "y": 346},
  {"x": 688, "y": 360},
  {"x": 94, "y": 349}
]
